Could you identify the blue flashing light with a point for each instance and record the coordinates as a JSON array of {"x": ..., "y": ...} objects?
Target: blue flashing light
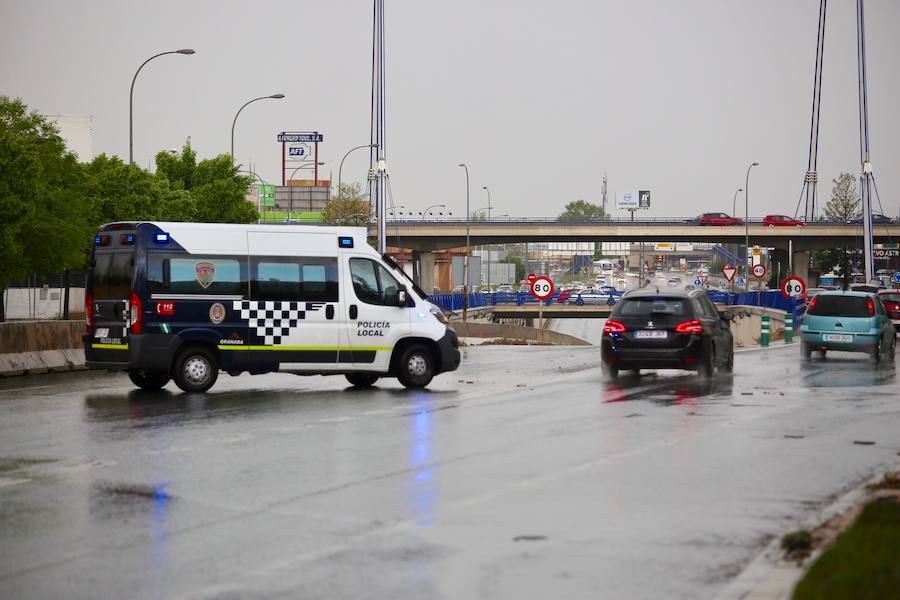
[
  {"x": 97, "y": 240},
  {"x": 161, "y": 238},
  {"x": 126, "y": 239},
  {"x": 345, "y": 242}
]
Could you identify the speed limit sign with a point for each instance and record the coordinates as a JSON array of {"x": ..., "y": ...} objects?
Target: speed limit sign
[
  {"x": 542, "y": 287},
  {"x": 758, "y": 271},
  {"x": 793, "y": 287}
]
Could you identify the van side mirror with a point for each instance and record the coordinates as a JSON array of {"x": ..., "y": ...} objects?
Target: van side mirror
[
  {"x": 401, "y": 297},
  {"x": 727, "y": 316},
  {"x": 394, "y": 296}
]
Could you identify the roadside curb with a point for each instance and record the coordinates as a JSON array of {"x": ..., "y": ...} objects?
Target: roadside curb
[
  {"x": 42, "y": 361},
  {"x": 770, "y": 576}
]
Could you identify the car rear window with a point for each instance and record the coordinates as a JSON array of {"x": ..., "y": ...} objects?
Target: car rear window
[
  {"x": 827, "y": 305},
  {"x": 889, "y": 297},
  {"x": 645, "y": 307}
]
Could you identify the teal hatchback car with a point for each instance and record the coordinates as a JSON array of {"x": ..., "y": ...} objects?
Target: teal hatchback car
[{"x": 849, "y": 321}]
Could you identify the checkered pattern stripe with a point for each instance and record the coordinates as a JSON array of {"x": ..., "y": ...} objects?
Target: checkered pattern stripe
[{"x": 272, "y": 320}]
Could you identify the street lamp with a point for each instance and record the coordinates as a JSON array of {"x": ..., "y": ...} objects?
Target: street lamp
[
  {"x": 304, "y": 166},
  {"x": 734, "y": 200},
  {"x": 233, "y": 123},
  {"x": 425, "y": 212},
  {"x": 747, "y": 215},
  {"x": 468, "y": 250},
  {"x": 340, "y": 168},
  {"x": 187, "y": 51}
]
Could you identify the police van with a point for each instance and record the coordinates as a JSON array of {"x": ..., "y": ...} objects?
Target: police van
[{"x": 183, "y": 301}]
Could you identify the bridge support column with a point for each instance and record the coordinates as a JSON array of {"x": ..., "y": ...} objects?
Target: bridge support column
[
  {"x": 423, "y": 269},
  {"x": 800, "y": 266}
]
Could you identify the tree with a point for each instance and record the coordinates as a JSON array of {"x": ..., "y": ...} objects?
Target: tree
[
  {"x": 42, "y": 212},
  {"x": 580, "y": 210},
  {"x": 349, "y": 207},
  {"x": 480, "y": 215},
  {"x": 838, "y": 260},
  {"x": 844, "y": 203},
  {"x": 118, "y": 191}
]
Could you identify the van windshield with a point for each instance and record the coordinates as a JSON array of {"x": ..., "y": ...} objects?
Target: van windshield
[{"x": 110, "y": 275}]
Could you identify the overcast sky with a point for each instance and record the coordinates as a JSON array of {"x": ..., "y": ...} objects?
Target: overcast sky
[{"x": 539, "y": 98}]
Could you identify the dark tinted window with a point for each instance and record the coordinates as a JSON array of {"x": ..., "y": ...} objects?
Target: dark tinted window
[
  {"x": 310, "y": 279},
  {"x": 827, "y": 305},
  {"x": 186, "y": 274},
  {"x": 111, "y": 274},
  {"x": 890, "y": 297},
  {"x": 653, "y": 306},
  {"x": 372, "y": 283}
]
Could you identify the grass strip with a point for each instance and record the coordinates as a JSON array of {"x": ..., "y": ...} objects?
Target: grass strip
[{"x": 863, "y": 563}]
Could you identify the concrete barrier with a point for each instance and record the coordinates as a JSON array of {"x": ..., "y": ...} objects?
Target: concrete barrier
[
  {"x": 745, "y": 327},
  {"x": 28, "y": 347},
  {"x": 517, "y": 332}
]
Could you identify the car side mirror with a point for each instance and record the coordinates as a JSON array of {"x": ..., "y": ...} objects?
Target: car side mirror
[{"x": 727, "y": 316}]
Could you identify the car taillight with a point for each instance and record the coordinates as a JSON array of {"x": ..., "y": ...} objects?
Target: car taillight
[
  {"x": 689, "y": 327},
  {"x": 892, "y": 307},
  {"x": 89, "y": 312},
  {"x": 613, "y": 327},
  {"x": 870, "y": 304},
  {"x": 135, "y": 304},
  {"x": 811, "y": 304}
]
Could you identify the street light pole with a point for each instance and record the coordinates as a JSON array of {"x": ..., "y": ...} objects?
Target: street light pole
[
  {"x": 187, "y": 51},
  {"x": 340, "y": 168},
  {"x": 747, "y": 218},
  {"x": 233, "y": 123},
  {"x": 489, "y": 246},
  {"x": 734, "y": 200},
  {"x": 468, "y": 250},
  {"x": 425, "y": 212}
]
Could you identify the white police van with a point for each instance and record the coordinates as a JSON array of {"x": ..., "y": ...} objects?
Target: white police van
[{"x": 186, "y": 300}]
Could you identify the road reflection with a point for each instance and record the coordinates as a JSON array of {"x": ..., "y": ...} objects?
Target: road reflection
[
  {"x": 423, "y": 485},
  {"x": 845, "y": 370},
  {"x": 666, "y": 389}
]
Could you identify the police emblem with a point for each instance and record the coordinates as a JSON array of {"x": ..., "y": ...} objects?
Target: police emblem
[
  {"x": 217, "y": 313},
  {"x": 206, "y": 273}
]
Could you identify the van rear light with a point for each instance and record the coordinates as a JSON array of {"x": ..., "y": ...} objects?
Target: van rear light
[
  {"x": 870, "y": 304},
  {"x": 613, "y": 327},
  {"x": 135, "y": 306},
  {"x": 89, "y": 312},
  {"x": 689, "y": 327}
]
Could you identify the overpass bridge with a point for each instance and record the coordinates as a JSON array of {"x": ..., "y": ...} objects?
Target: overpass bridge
[{"x": 426, "y": 236}]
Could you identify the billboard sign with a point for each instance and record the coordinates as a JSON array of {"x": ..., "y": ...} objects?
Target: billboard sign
[
  {"x": 644, "y": 199},
  {"x": 294, "y": 138},
  {"x": 626, "y": 200}
]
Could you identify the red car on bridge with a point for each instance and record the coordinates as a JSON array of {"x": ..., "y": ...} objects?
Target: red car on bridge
[
  {"x": 717, "y": 218},
  {"x": 782, "y": 221}
]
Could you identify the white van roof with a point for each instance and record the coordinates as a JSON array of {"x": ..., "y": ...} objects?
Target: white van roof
[{"x": 230, "y": 238}]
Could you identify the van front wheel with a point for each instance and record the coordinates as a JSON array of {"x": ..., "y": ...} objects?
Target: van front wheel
[
  {"x": 196, "y": 370},
  {"x": 148, "y": 380},
  {"x": 416, "y": 367}
]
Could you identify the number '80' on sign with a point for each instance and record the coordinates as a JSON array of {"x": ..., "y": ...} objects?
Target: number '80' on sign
[{"x": 542, "y": 288}]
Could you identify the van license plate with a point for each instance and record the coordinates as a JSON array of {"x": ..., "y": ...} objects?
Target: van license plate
[
  {"x": 648, "y": 334},
  {"x": 837, "y": 337},
  {"x": 101, "y": 333}
]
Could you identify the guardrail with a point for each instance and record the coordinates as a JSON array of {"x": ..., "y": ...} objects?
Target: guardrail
[
  {"x": 611, "y": 221},
  {"x": 767, "y": 299}
]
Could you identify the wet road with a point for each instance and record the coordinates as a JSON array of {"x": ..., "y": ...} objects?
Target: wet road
[{"x": 523, "y": 475}]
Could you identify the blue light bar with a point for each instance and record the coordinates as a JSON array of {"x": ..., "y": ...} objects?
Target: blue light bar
[
  {"x": 161, "y": 238},
  {"x": 345, "y": 242}
]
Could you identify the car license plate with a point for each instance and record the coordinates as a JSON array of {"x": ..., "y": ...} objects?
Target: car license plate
[
  {"x": 837, "y": 337},
  {"x": 648, "y": 334},
  {"x": 101, "y": 333}
]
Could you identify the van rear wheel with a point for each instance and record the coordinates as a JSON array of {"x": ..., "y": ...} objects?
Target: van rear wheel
[
  {"x": 148, "y": 380},
  {"x": 196, "y": 370},
  {"x": 361, "y": 380},
  {"x": 416, "y": 367}
]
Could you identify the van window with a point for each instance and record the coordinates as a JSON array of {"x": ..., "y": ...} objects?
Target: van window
[
  {"x": 311, "y": 279},
  {"x": 110, "y": 275},
  {"x": 214, "y": 275},
  {"x": 372, "y": 282}
]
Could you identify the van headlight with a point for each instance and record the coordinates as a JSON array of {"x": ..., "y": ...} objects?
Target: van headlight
[{"x": 439, "y": 315}]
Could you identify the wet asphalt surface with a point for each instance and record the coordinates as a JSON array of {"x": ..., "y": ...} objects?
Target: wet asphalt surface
[{"x": 522, "y": 475}]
